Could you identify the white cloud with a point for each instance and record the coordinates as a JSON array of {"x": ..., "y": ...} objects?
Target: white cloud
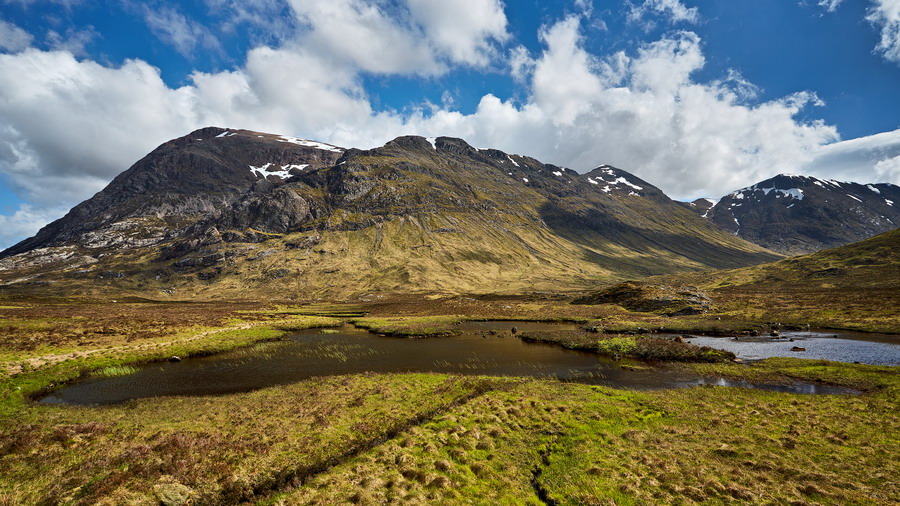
[
  {"x": 462, "y": 29},
  {"x": 830, "y": 5},
  {"x": 177, "y": 30},
  {"x": 674, "y": 10},
  {"x": 365, "y": 36},
  {"x": 521, "y": 64},
  {"x": 25, "y": 222},
  {"x": 643, "y": 113},
  {"x": 886, "y": 15},
  {"x": 68, "y": 126},
  {"x": 13, "y": 38},
  {"x": 73, "y": 41},
  {"x": 268, "y": 19},
  {"x": 872, "y": 159}
]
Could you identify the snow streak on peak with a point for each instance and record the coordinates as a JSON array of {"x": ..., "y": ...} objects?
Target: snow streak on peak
[
  {"x": 610, "y": 181},
  {"x": 310, "y": 144}
]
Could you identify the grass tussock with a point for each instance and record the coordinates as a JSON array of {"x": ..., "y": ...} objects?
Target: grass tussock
[
  {"x": 215, "y": 450},
  {"x": 114, "y": 371},
  {"x": 546, "y": 442}
]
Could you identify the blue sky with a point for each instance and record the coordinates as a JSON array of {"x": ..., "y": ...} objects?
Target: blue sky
[{"x": 699, "y": 97}]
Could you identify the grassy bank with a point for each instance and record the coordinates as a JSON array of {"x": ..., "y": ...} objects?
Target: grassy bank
[
  {"x": 427, "y": 438},
  {"x": 411, "y": 326},
  {"x": 210, "y": 449},
  {"x": 639, "y": 346}
]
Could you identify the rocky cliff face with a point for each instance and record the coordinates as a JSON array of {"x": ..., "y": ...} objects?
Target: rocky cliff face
[
  {"x": 799, "y": 214},
  {"x": 415, "y": 214}
]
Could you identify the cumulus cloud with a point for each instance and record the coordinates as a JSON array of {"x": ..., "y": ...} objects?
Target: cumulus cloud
[
  {"x": 462, "y": 29},
  {"x": 886, "y": 15},
  {"x": 68, "y": 125},
  {"x": 13, "y": 38},
  {"x": 521, "y": 64},
  {"x": 645, "y": 113},
  {"x": 365, "y": 36}
]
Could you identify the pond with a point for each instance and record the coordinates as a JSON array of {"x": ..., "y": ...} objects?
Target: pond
[
  {"x": 844, "y": 347},
  {"x": 482, "y": 348}
]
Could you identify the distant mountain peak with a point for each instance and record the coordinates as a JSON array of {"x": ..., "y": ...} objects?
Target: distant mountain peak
[{"x": 795, "y": 214}]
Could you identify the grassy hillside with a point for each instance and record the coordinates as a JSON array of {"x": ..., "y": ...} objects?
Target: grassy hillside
[{"x": 855, "y": 286}]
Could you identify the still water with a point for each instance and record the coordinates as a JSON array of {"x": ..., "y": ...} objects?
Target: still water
[
  {"x": 349, "y": 350},
  {"x": 483, "y": 348},
  {"x": 843, "y": 347}
]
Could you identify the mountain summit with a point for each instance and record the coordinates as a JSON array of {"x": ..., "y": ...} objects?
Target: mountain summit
[
  {"x": 802, "y": 214},
  {"x": 222, "y": 211},
  {"x": 178, "y": 183}
]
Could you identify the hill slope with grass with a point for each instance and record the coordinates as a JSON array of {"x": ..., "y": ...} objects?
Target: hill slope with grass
[
  {"x": 414, "y": 215},
  {"x": 854, "y": 286}
]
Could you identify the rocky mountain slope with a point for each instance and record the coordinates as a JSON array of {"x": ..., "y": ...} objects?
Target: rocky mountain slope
[
  {"x": 415, "y": 215},
  {"x": 178, "y": 183},
  {"x": 800, "y": 214}
]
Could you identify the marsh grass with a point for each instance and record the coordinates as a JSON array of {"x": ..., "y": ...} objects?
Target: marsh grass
[
  {"x": 638, "y": 346},
  {"x": 546, "y": 442},
  {"x": 114, "y": 371},
  {"x": 411, "y": 326},
  {"x": 217, "y": 449}
]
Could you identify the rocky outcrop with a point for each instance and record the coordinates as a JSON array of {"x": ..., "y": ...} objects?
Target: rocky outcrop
[{"x": 652, "y": 298}]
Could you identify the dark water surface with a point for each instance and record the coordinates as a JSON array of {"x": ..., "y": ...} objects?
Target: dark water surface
[{"x": 324, "y": 353}]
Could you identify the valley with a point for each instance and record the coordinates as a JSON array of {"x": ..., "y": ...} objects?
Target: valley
[{"x": 429, "y": 322}]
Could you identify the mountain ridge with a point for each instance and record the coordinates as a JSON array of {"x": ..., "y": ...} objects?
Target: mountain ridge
[
  {"x": 416, "y": 213},
  {"x": 794, "y": 214}
]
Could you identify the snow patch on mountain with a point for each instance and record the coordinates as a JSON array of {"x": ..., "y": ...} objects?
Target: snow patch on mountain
[
  {"x": 266, "y": 170},
  {"x": 751, "y": 192},
  {"x": 310, "y": 144}
]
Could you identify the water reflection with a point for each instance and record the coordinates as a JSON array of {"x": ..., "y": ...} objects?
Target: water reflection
[
  {"x": 845, "y": 347},
  {"x": 314, "y": 353}
]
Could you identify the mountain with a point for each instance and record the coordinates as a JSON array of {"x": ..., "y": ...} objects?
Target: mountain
[
  {"x": 178, "y": 183},
  {"x": 700, "y": 206},
  {"x": 414, "y": 215},
  {"x": 800, "y": 214}
]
